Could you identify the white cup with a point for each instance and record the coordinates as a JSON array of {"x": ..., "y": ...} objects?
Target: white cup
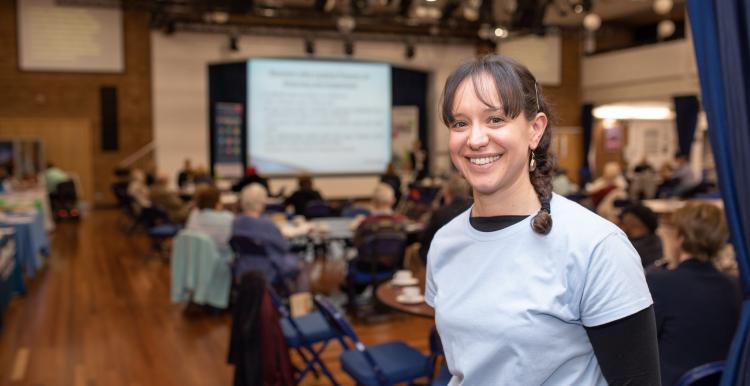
[
  {"x": 402, "y": 275},
  {"x": 411, "y": 292}
]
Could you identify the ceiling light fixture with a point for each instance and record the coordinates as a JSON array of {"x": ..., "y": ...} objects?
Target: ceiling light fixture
[
  {"x": 592, "y": 22},
  {"x": 501, "y": 32},
  {"x": 346, "y": 24},
  {"x": 663, "y": 7},
  {"x": 349, "y": 48},
  {"x": 665, "y": 29},
  {"x": 652, "y": 111}
]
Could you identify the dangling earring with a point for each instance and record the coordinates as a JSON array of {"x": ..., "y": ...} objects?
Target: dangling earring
[{"x": 532, "y": 162}]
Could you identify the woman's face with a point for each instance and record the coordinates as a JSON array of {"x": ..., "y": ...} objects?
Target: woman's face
[{"x": 490, "y": 149}]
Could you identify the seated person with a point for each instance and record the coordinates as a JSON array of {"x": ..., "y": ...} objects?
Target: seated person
[
  {"x": 54, "y": 176},
  {"x": 393, "y": 179},
  {"x": 697, "y": 307},
  {"x": 185, "y": 176},
  {"x": 251, "y": 223},
  {"x": 251, "y": 176},
  {"x": 611, "y": 179},
  {"x": 456, "y": 200},
  {"x": 382, "y": 216},
  {"x": 169, "y": 200},
  {"x": 138, "y": 190},
  {"x": 640, "y": 223},
  {"x": 209, "y": 218},
  {"x": 304, "y": 194}
]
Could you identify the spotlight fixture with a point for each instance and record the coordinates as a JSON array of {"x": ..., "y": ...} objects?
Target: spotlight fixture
[
  {"x": 665, "y": 29},
  {"x": 346, "y": 24},
  {"x": 234, "y": 43},
  {"x": 501, "y": 32},
  {"x": 410, "y": 50},
  {"x": 592, "y": 22},
  {"x": 309, "y": 47},
  {"x": 349, "y": 47},
  {"x": 663, "y": 7}
]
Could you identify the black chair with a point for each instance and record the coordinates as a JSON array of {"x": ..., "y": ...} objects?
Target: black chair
[
  {"x": 64, "y": 201},
  {"x": 158, "y": 227},
  {"x": 707, "y": 374},
  {"x": 317, "y": 208},
  {"x": 379, "y": 255}
]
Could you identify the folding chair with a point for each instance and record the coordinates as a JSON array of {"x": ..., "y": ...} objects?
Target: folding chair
[
  {"x": 381, "y": 364},
  {"x": 697, "y": 375},
  {"x": 302, "y": 333}
]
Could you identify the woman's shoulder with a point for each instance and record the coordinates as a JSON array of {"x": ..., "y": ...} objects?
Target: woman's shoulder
[{"x": 572, "y": 217}]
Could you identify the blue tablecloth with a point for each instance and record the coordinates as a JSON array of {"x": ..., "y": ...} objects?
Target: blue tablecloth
[
  {"x": 31, "y": 239},
  {"x": 11, "y": 280}
]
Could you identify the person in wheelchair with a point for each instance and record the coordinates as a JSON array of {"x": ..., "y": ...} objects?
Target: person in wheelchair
[{"x": 62, "y": 193}]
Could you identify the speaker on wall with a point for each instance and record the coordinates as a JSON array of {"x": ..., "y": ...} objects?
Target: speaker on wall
[{"x": 109, "y": 125}]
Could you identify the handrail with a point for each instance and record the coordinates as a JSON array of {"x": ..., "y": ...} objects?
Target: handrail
[{"x": 140, "y": 153}]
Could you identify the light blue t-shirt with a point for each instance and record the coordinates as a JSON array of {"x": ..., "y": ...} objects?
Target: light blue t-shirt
[{"x": 511, "y": 305}]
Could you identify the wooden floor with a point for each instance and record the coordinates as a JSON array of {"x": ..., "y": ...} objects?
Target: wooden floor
[{"x": 99, "y": 315}]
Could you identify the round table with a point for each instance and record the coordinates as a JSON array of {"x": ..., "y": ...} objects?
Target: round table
[{"x": 387, "y": 293}]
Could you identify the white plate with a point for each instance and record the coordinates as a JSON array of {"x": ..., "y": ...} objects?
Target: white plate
[
  {"x": 407, "y": 300},
  {"x": 404, "y": 283}
]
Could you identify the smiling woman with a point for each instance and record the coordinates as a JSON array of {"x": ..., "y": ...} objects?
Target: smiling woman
[
  {"x": 518, "y": 301},
  {"x": 500, "y": 138}
]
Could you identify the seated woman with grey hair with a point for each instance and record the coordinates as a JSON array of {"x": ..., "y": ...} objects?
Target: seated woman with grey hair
[{"x": 252, "y": 224}]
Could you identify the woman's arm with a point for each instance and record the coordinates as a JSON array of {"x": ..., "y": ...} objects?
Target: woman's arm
[{"x": 627, "y": 349}]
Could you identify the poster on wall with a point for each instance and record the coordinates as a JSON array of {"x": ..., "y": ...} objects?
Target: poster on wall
[
  {"x": 613, "y": 137},
  {"x": 404, "y": 131},
  {"x": 228, "y": 139}
]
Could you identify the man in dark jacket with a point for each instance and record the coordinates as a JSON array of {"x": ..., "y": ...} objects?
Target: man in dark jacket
[{"x": 640, "y": 223}]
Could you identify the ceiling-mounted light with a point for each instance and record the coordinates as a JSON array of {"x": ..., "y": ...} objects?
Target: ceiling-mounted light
[
  {"x": 233, "y": 43},
  {"x": 220, "y": 17},
  {"x": 665, "y": 29},
  {"x": 578, "y": 8},
  {"x": 662, "y": 7},
  {"x": 592, "y": 22},
  {"x": 470, "y": 14},
  {"x": 430, "y": 1},
  {"x": 348, "y": 47},
  {"x": 410, "y": 50},
  {"x": 647, "y": 111},
  {"x": 501, "y": 32},
  {"x": 434, "y": 13},
  {"x": 420, "y": 12},
  {"x": 346, "y": 24}
]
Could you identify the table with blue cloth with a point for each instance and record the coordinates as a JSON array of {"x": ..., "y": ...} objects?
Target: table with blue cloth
[
  {"x": 11, "y": 280},
  {"x": 31, "y": 238}
]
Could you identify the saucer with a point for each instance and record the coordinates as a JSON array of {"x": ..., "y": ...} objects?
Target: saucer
[
  {"x": 405, "y": 282},
  {"x": 403, "y": 299}
]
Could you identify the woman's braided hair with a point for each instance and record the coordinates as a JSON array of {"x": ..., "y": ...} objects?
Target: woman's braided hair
[{"x": 518, "y": 92}]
